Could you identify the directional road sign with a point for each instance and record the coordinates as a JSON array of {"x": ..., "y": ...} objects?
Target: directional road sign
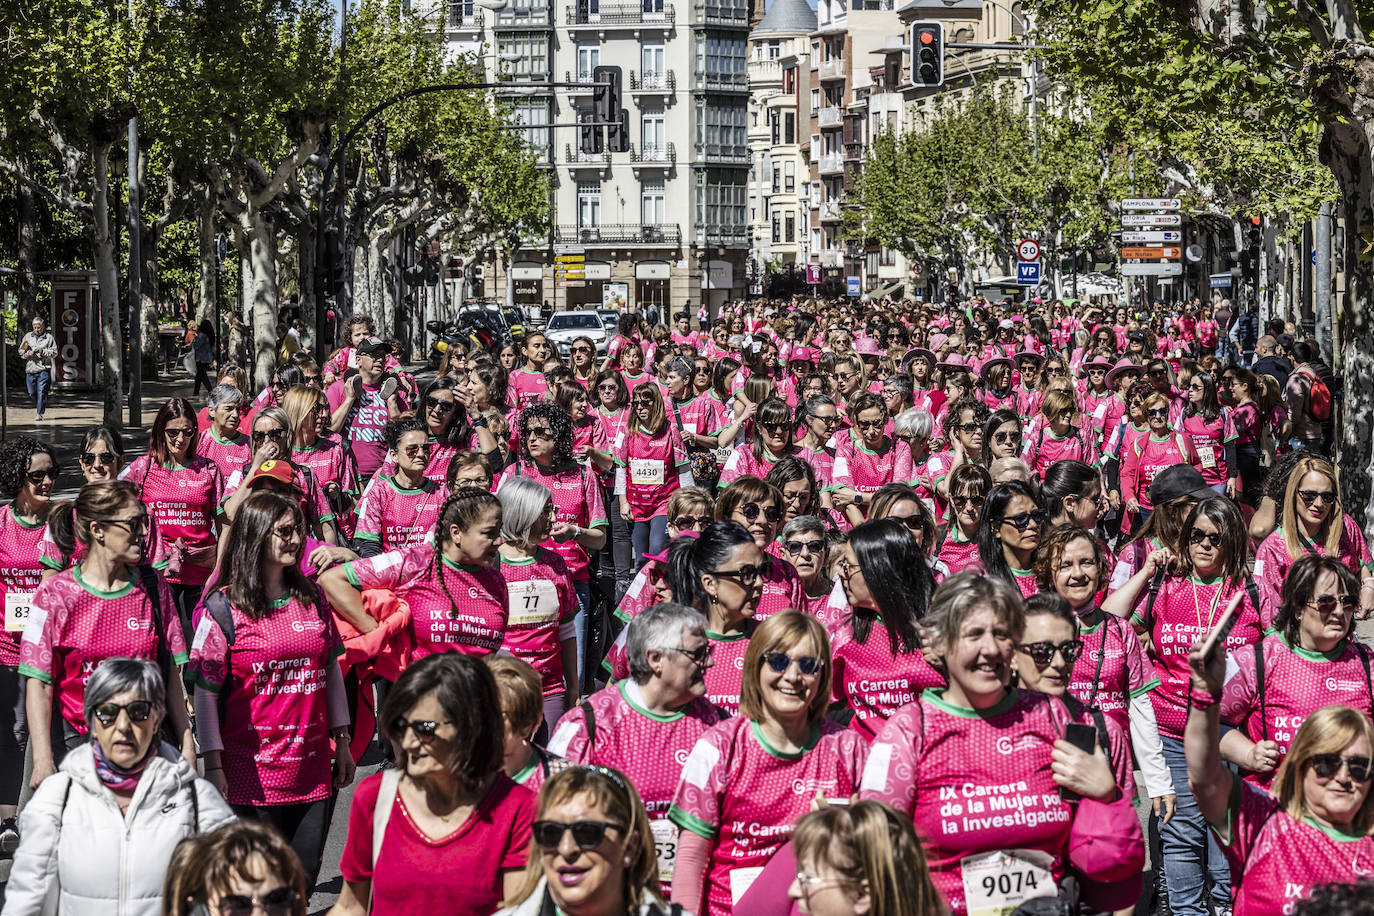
[
  {"x": 1028, "y": 250},
  {"x": 1156, "y": 269},
  {"x": 1151, "y": 203},
  {"x": 1149, "y": 237},
  {"x": 1028, "y": 273},
  {"x": 1152, "y": 252},
  {"x": 1153, "y": 220}
]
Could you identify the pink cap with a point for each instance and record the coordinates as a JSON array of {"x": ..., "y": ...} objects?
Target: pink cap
[
  {"x": 867, "y": 347},
  {"x": 1107, "y": 850},
  {"x": 801, "y": 354},
  {"x": 938, "y": 340}
]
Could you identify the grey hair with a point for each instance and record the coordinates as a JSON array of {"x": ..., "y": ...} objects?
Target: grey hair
[
  {"x": 915, "y": 422},
  {"x": 679, "y": 364},
  {"x": 113, "y": 676},
  {"x": 277, "y": 414},
  {"x": 659, "y": 629},
  {"x": 523, "y": 502},
  {"x": 224, "y": 394},
  {"x": 803, "y": 524}
]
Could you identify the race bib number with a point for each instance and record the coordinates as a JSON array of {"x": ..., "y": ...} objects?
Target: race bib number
[
  {"x": 665, "y": 841},
  {"x": 741, "y": 879},
  {"x": 1207, "y": 455},
  {"x": 532, "y": 603},
  {"x": 17, "y": 608},
  {"x": 996, "y": 883},
  {"x": 1100, "y": 412},
  {"x": 689, "y": 428},
  {"x": 723, "y": 454},
  {"x": 646, "y": 472}
]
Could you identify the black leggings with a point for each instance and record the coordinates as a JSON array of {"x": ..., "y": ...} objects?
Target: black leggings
[
  {"x": 14, "y": 734},
  {"x": 305, "y": 826}
]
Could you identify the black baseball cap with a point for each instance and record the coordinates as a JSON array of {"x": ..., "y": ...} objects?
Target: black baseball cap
[
  {"x": 1177, "y": 481},
  {"x": 371, "y": 345}
]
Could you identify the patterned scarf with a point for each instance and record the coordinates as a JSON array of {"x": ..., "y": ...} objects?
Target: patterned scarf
[{"x": 115, "y": 777}]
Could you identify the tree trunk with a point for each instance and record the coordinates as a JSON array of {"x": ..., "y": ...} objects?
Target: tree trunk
[
  {"x": 28, "y": 248},
  {"x": 262, "y": 249},
  {"x": 107, "y": 280},
  {"x": 150, "y": 292},
  {"x": 208, "y": 258}
]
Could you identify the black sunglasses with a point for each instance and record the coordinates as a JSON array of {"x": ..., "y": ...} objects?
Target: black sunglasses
[
  {"x": 751, "y": 512},
  {"x": 700, "y": 655},
  {"x": 1010, "y": 438},
  {"x": 746, "y": 575},
  {"x": 280, "y": 902},
  {"x": 90, "y": 458},
  {"x": 1327, "y": 766},
  {"x": 36, "y": 477},
  {"x": 276, "y": 435},
  {"x": 691, "y": 521},
  {"x": 1042, "y": 653},
  {"x": 1327, "y": 603},
  {"x": 1210, "y": 538},
  {"x": 424, "y": 729},
  {"x": 778, "y": 662},
  {"x": 586, "y": 834},
  {"x": 1025, "y": 519},
  {"x": 777, "y": 428},
  {"x": 1157, "y": 412},
  {"x": 433, "y": 403},
  {"x": 796, "y": 547},
  {"x": 108, "y": 713},
  {"x": 1309, "y": 497}
]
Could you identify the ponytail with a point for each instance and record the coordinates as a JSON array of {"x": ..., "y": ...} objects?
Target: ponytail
[
  {"x": 691, "y": 558},
  {"x": 62, "y": 529}
]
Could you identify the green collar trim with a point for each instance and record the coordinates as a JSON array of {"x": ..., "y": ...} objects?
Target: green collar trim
[
  {"x": 237, "y": 441},
  {"x": 937, "y": 699},
  {"x": 426, "y": 486},
  {"x": 640, "y": 708},
  {"x": 523, "y": 776},
  {"x": 1340, "y": 836},
  {"x": 99, "y": 593},
  {"x": 461, "y": 567},
  {"x": 783, "y": 755},
  {"x": 23, "y": 524},
  {"x": 1312, "y": 655}
]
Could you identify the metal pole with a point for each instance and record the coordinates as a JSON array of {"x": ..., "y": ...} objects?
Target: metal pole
[
  {"x": 1321, "y": 282},
  {"x": 135, "y": 277}
]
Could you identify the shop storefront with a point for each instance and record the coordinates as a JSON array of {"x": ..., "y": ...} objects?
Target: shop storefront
[{"x": 651, "y": 287}]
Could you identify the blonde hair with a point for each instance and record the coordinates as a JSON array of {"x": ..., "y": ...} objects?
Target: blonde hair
[
  {"x": 959, "y": 596},
  {"x": 779, "y": 632},
  {"x": 1056, "y": 401},
  {"x": 1329, "y": 730},
  {"x": 1329, "y": 537},
  {"x": 873, "y": 849},
  {"x": 520, "y": 689},
  {"x": 685, "y": 498},
  {"x": 300, "y": 403}
]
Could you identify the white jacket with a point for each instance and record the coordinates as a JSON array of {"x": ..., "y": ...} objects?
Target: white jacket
[
  {"x": 533, "y": 905},
  {"x": 78, "y": 855}
]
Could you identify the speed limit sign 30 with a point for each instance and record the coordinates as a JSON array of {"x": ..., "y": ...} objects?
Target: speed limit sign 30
[{"x": 1028, "y": 250}]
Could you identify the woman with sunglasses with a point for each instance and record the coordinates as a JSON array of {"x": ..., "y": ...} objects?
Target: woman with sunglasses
[
  {"x": 222, "y": 442},
  {"x": 1059, "y": 437},
  {"x": 455, "y": 828},
  {"x": 659, "y": 703},
  {"x": 1163, "y": 447},
  {"x": 582, "y": 361},
  {"x": 1097, "y": 399},
  {"x": 1314, "y": 827},
  {"x": 651, "y": 462},
  {"x": 458, "y": 600},
  {"x": 690, "y": 511},
  {"x": 968, "y": 418},
  {"x": 1213, "y": 435},
  {"x": 751, "y": 777},
  {"x": 819, "y": 416},
  {"x": 1312, "y": 522},
  {"x": 1002, "y": 435},
  {"x": 1008, "y": 533},
  {"x": 80, "y": 615},
  {"x": 877, "y": 643},
  {"x": 399, "y": 510},
  {"x": 758, "y": 507},
  {"x": 957, "y": 550},
  {"x": 101, "y": 457},
  {"x": 540, "y": 627},
  {"x": 271, "y": 439},
  {"x": 589, "y": 443},
  {"x": 232, "y": 870},
  {"x": 182, "y": 492},
  {"x": 98, "y": 836},
  {"x": 1310, "y": 658},
  {"x": 271, "y": 709},
  {"x": 770, "y": 441},
  {"x": 866, "y": 458},
  {"x": 329, "y": 463},
  {"x": 957, "y": 740},
  {"x": 806, "y": 545}
]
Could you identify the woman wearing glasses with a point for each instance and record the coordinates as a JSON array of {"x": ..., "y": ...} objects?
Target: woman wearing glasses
[
  {"x": 866, "y": 458},
  {"x": 269, "y": 695},
  {"x": 233, "y": 869},
  {"x": 582, "y": 361},
  {"x": 1002, "y": 435},
  {"x": 222, "y": 442},
  {"x": 329, "y": 463},
  {"x": 1097, "y": 399},
  {"x": 182, "y": 492},
  {"x": 968, "y": 489},
  {"x": 612, "y": 412},
  {"x": 1209, "y": 427},
  {"x": 750, "y": 778},
  {"x": 850, "y": 379},
  {"x": 821, "y": 419},
  {"x": 1162, "y": 447},
  {"x": 1008, "y": 533},
  {"x": 444, "y": 410},
  {"x": 106, "y": 606},
  {"x": 660, "y": 703},
  {"x": 1312, "y": 522},
  {"x": 1310, "y": 659},
  {"x": 968, "y": 419},
  {"x": 795, "y": 480},
  {"x": 98, "y": 836},
  {"x": 758, "y": 507},
  {"x": 455, "y": 830},
  {"x": 1315, "y": 825},
  {"x": 589, "y": 443},
  {"x": 271, "y": 439},
  {"x": 1059, "y": 438},
  {"x": 101, "y": 457},
  {"x": 399, "y": 510},
  {"x": 540, "y": 627},
  {"x": 877, "y": 650},
  {"x": 651, "y": 462},
  {"x": 806, "y": 545},
  {"x": 770, "y": 441}
]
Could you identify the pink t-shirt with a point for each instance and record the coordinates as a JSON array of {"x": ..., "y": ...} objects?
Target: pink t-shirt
[
  {"x": 440, "y": 456},
  {"x": 742, "y": 462},
  {"x": 956, "y": 554},
  {"x": 473, "y": 622},
  {"x": 576, "y": 500},
  {"x": 542, "y": 606},
  {"x": 1105, "y": 410},
  {"x": 228, "y": 454},
  {"x": 782, "y": 587},
  {"x": 74, "y": 627},
  {"x": 1185, "y": 611},
  {"x": 459, "y": 874},
  {"x": 873, "y": 682},
  {"x": 746, "y": 797},
  {"x": 651, "y": 465},
  {"x": 398, "y": 517},
  {"x": 314, "y": 504},
  {"x": 1112, "y": 670},
  {"x": 975, "y": 783},
  {"x": 1209, "y": 439},
  {"x": 1146, "y": 457},
  {"x": 865, "y": 471},
  {"x": 1277, "y": 861},
  {"x": 20, "y": 572},
  {"x": 1045, "y": 448},
  {"x": 526, "y": 387},
  {"x": 1297, "y": 682},
  {"x": 1272, "y": 563},
  {"x": 274, "y": 715},
  {"x": 184, "y": 501},
  {"x": 329, "y": 463}
]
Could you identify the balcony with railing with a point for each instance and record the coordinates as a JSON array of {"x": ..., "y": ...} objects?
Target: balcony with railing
[
  {"x": 854, "y": 151},
  {"x": 604, "y": 15},
  {"x": 663, "y": 82},
  {"x": 830, "y": 117},
  {"x": 721, "y": 12},
  {"x": 575, "y": 158},
  {"x": 830, "y": 211},
  {"x": 525, "y": 17},
  {"x": 716, "y": 81},
  {"x": 462, "y": 17},
  {"x": 722, "y": 153},
  {"x": 584, "y": 79},
  {"x": 832, "y": 69},
  {"x": 723, "y": 235},
  {"x": 830, "y": 164},
  {"x": 664, "y": 154},
  {"x": 669, "y": 234}
]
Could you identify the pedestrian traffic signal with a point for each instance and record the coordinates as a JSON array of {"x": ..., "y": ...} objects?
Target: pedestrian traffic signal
[
  {"x": 928, "y": 54},
  {"x": 606, "y": 94}
]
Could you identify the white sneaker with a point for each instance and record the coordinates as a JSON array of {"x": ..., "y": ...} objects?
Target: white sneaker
[{"x": 389, "y": 388}]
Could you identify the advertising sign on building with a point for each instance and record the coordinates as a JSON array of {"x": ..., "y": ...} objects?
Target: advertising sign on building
[{"x": 76, "y": 326}]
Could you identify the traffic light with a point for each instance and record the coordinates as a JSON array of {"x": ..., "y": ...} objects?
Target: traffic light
[
  {"x": 1254, "y": 243},
  {"x": 618, "y": 134},
  {"x": 928, "y": 54},
  {"x": 589, "y": 139},
  {"x": 606, "y": 98}
]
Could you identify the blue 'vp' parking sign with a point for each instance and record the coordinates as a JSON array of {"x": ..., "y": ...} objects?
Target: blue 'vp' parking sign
[{"x": 1028, "y": 273}]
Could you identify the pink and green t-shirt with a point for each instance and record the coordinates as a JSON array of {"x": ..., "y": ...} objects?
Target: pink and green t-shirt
[
  {"x": 652, "y": 465},
  {"x": 329, "y": 463},
  {"x": 864, "y": 471},
  {"x": 542, "y": 606},
  {"x": 1113, "y": 669},
  {"x": 527, "y": 387},
  {"x": 21, "y": 570},
  {"x": 184, "y": 501},
  {"x": 874, "y": 683},
  {"x": 74, "y": 627},
  {"x": 473, "y": 622},
  {"x": 228, "y": 454},
  {"x": 576, "y": 500},
  {"x": 746, "y": 796},
  {"x": 1272, "y": 562},
  {"x": 274, "y": 717},
  {"x": 398, "y": 517}
]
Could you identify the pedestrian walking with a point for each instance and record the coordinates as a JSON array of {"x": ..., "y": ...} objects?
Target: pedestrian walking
[{"x": 38, "y": 349}]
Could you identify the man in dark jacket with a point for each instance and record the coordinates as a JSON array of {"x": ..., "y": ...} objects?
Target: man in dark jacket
[
  {"x": 1268, "y": 361},
  {"x": 1246, "y": 333}
]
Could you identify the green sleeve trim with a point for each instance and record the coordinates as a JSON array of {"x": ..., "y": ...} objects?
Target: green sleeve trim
[
  {"x": 1136, "y": 619},
  {"x": 599, "y": 523},
  {"x": 326, "y": 518},
  {"x": 181, "y": 658},
  {"x": 621, "y": 464},
  {"x": 1144, "y": 688},
  {"x": 31, "y": 672},
  {"x": 201, "y": 680},
  {"x": 352, "y": 576},
  {"x": 606, "y": 666},
  {"x": 684, "y": 464},
  {"x": 695, "y": 824},
  {"x": 833, "y": 487},
  {"x": 161, "y": 564},
  {"x": 368, "y": 536},
  {"x": 50, "y": 563},
  {"x": 618, "y": 614}
]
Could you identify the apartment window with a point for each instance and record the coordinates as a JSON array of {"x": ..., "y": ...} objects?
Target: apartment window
[
  {"x": 588, "y": 204},
  {"x": 774, "y": 49},
  {"x": 789, "y": 81},
  {"x": 777, "y": 229},
  {"x": 834, "y": 95},
  {"x": 887, "y": 257},
  {"x": 775, "y": 125},
  {"x": 651, "y": 60},
  {"x": 651, "y": 204},
  {"x": 789, "y": 127},
  {"x": 721, "y": 128},
  {"x": 651, "y": 132},
  {"x": 815, "y": 55},
  {"x": 721, "y": 197},
  {"x": 789, "y": 169},
  {"x": 721, "y": 57},
  {"x": 653, "y": 8},
  {"x": 777, "y": 177},
  {"x": 524, "y": 55},
  {"x": 789, "y": 227},
  {"x": 461, "y": 11},
  {"x": 534, "y": 112},
  {"x": 815, "y": 99},
  {"x": 526, "y": 12},
  {"x": 588, "y": 59}
]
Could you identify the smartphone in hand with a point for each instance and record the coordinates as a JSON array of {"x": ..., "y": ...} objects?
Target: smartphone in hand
[{"x": 1083, "y": 737}]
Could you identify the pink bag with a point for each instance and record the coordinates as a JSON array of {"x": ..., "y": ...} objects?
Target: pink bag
[{"x": 1107, "y": 851}]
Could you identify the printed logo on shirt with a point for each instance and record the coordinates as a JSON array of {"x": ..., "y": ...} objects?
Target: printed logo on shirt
[
  {"x": 809, "y": 787},
  {"x": 1009, "y": 745},
  {"x": 306, "y": 626},
  {"x": 1339, "y": 684}
]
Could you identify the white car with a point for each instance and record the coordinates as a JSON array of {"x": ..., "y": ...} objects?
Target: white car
[{"x": 565, "y": 327}]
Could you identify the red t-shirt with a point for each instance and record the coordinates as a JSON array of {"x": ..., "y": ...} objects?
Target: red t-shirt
[{"x": 456, "y": 875}]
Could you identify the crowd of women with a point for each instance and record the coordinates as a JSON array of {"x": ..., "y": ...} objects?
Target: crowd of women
[{"x": 865, "y": 611}]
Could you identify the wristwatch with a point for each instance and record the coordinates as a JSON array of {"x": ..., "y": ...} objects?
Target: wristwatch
[
  {"x": 479, "y": 422},
  {"x": 858, "y": 499}
]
